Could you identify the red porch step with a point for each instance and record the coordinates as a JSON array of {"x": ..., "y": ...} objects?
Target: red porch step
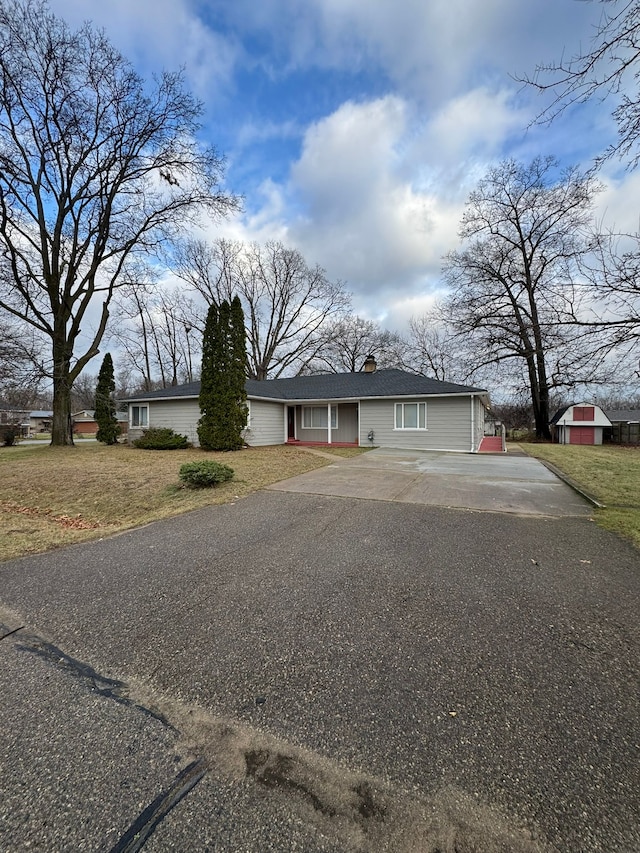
[{"x": 491, "y": 444}]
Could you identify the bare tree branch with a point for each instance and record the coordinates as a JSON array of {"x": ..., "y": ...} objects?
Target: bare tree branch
[
  {"x": 287, "y": 304},
  {"x": 96, "y": 168}
]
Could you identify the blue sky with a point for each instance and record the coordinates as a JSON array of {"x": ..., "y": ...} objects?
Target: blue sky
[{"x": 355, "y": 129}]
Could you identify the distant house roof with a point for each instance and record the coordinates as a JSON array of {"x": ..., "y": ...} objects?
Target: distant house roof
[
  {"x": 330, "y": 386},
  {"x": 38, "y": 413},
  {"x": 5, "y": 408},
  {"x": 624, "y": 416}
]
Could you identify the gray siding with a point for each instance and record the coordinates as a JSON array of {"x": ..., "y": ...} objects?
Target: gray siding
[
  {"x": 448, "y": 424},
  {"x": 180, "y": 415},
  {"x": 347, "y": 430},
  {"x": 267, "y": 424},
  {"x": 267, "y": 420}
]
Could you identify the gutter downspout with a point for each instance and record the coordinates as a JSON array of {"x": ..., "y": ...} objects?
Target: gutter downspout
[{"x": 473, "y": 425}]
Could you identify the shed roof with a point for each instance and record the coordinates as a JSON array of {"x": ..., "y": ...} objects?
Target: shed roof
[{"x": 331, "y": 386}]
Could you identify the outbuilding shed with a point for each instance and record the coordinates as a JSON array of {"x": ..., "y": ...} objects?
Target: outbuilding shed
[{"x": 579, "y": 423}]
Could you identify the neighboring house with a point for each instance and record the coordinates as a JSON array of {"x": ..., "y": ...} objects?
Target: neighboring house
[
  {"x": 17, "y": 418},
  {"x": 84, "y": 422},
  {"x": 40, "y": 421},
  {"x": 625, "y": 426},
  {"x": 389, "y": 408},
  {"x": 579, "y": 423}
]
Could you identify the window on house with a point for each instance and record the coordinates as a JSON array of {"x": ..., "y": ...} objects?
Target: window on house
[
  {"x": 583, "y": 413},
  {"x": 411, "y": 415},
  {"x": 315, "y": 417},
  {"x": 139, "y": 416}
]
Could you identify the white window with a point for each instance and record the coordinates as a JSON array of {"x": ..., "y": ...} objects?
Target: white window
[
  {"x": 315, "y": 417},
  {"x": 139, "y": 416},
  {"x": 411, "y": 415}
]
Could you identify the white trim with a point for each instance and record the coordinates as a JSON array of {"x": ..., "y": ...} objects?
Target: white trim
[
  {"x": 133, "y": 406},
  {"x": 404, "y": 428},
  {"x": 316, "y": 400}
]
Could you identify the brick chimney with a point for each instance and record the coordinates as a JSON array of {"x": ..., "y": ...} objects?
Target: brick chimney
[{"x": 369, "y": 365}]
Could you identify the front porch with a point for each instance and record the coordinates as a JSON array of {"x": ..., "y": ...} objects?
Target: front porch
[
  {"x": 297, "y": 443},
  {"x": 320, "y": 424}
]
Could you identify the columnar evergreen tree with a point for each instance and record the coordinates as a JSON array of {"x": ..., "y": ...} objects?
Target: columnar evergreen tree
[
  {"x": 105, "y": 412},
  {"x": 222, "y": 385}
]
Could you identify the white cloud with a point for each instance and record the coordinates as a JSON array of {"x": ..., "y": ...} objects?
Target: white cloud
[
  {"x": 162, "y": 34},
  {"x": 617, "y": 205},
  {"x": 363, "y": 219}
]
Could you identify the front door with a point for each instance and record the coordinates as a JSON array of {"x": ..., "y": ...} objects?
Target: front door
[{"x": 291, "y": 423}]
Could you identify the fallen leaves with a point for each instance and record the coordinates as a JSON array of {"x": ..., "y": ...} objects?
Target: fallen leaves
[{"x": 69, "y": 522}]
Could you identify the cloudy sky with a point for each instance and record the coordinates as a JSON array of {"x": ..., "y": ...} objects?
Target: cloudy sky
[{"x": 355, "y": 129}]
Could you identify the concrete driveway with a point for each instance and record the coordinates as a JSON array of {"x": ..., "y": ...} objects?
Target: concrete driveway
[{"x": 510, "y": 482}]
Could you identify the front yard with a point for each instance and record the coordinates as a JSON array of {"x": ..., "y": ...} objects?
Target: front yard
[
  {"x": 50, "y": 497},
  {"x": 609, "y": 473}
]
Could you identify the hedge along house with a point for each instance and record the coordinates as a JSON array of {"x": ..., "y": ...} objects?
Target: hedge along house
[
  {"x": 579, "y": 423},
  {"x": 388, "y": 408}
]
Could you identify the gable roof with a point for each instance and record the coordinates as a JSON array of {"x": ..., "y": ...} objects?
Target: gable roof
[{"x": 331, "y": 386}]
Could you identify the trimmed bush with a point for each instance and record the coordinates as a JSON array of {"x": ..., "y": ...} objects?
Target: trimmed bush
[
  {"x": 161, "y": 438},
  {"x": 8, "y": 435},
  {"x": 202, "y": 475}
]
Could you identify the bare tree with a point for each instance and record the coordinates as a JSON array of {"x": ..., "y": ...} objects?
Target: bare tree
[
  {"x": 96, "y": 167},
  {"x": 287, "y": 304},
  {"x": 21, "y": 356},
  {"x": 512, "y": 296},
  {"x": 159, "y": 334},
  {"x": 350, "y": 340},
  {"x": 83, "y": 392},
  {"x": 434, "y": 349},
  {"x": 609, "y": 68},
  {"x": 612, "y": 271}
]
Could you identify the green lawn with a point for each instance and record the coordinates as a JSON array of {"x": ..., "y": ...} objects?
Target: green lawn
[{"x": 609, "y": 473}]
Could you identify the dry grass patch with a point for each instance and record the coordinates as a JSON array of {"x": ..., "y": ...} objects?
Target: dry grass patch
[
  {"x": 51, "y": 497},
  {"x": 609, "y": 473}
]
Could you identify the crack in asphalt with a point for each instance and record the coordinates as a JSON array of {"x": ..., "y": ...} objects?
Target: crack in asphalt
[{"x": 360, "y": 812}]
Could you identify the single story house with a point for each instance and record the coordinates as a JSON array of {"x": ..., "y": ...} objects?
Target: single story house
[
  {"x": 40, "y": 420},
  {"x": 579, "y": 423},
  {"x": 84, "y": 422},
  {"x": 390, "y": 408},
  {"x": 16, "y": 418},
  {"x": 625, "y": 426}
]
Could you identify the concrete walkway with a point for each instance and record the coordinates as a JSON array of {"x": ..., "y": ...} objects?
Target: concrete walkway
[{"x": 494, "y": 483}]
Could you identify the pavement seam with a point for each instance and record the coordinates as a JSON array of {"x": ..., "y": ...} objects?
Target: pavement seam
[
  {"x": 347, "y": 805},
  {"x": 145, "y": 824}
]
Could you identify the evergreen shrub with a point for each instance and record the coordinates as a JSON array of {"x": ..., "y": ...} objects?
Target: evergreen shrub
[
  {"x": 202, "y": 475},
  {"x": 8, "y": 435},
  {"x": 161, "y": 438}
]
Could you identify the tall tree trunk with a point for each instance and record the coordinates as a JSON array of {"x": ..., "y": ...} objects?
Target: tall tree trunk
[{"x": 61, "y": 430}]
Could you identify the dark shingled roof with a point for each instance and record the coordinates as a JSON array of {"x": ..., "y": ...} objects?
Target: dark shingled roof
[
  {"x": 331, "y": 386},
  {"x": 624, "y": 416},
  {"x": 559, "y": 414}
]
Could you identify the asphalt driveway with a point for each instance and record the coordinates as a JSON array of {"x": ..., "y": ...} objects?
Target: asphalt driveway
[
  {"x": 302, "y": 672},
  {"x": 507, "y": 482}
]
